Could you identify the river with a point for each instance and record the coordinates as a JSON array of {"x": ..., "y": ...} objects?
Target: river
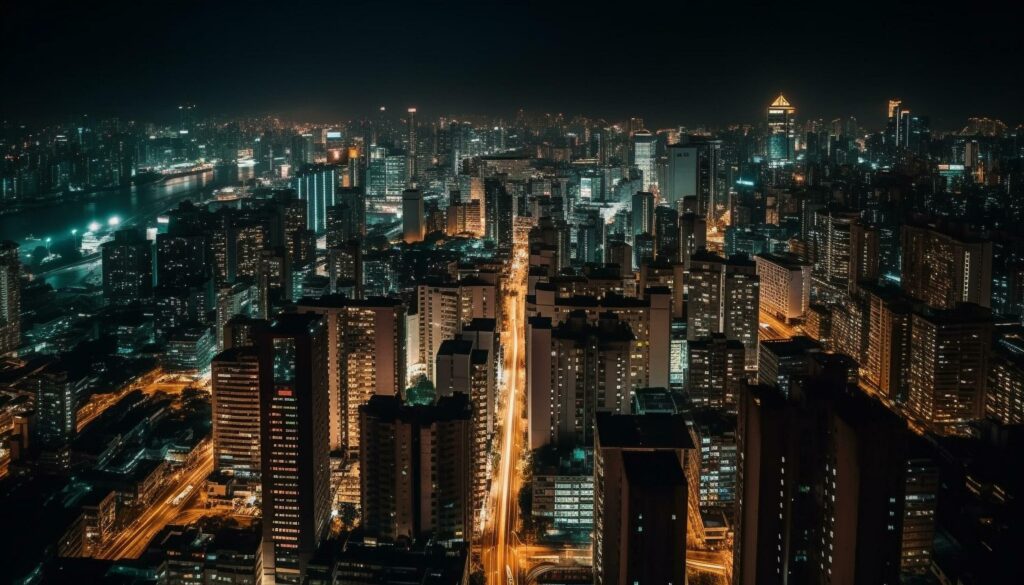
[{"x": 132, "y": 205}]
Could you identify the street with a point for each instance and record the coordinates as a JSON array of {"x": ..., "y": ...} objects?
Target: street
[{"x": 500, "y": 540}]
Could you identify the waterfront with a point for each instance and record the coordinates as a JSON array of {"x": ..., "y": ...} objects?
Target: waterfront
[{"x": 131, "y": 205}]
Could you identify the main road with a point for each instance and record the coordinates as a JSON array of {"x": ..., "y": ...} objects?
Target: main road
[
  {"x": 499, "y": 548},
  {"x": 131, "y": 541}
]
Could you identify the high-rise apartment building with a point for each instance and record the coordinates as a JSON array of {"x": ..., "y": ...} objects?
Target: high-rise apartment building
[
  {"x": 416, "y": 468},
  {"x": 716, "y": 371},
  {"x": 366, "y": 357},
  {"x": 235, "y": 398},
  {"x": 724, "y": 297},
  {"x": 575, "y": 369},
  {"x": 948, "y": 367},
  {"x": 640, "y": 498},
  {"x": 942, "y": 269},
  {"x": 444, "y": 308},
  {"x": 649, "y": 318}
]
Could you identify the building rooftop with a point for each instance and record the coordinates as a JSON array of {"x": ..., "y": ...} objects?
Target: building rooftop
[
  {"x": 653, "y": 468},
  {"x": 646, "y": 431}
]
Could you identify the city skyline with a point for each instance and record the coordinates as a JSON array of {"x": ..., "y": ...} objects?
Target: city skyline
[{"x": 511, "y": 293}]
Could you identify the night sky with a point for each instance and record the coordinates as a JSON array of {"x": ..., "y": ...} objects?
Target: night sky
[{"x": 679, "y": 62}]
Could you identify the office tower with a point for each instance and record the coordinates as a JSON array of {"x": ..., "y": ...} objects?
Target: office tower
[
  {"x": 640, "y": 498},
  {"x": 10, "y": 297},
  {"x": 181, "y": 259},
  {"x": 410, "y": 149},
  {"x": 365, "y": 358},
  {"x": 724, "y": 296},
  {"x": 785, "y": 286},
  {"x": 588, "y": 371},
  {"x": 942, "y": 269},
  {"x": 416, "y": 469},
  {"x": 716, "y": 372},
  {"x": 273, "y": 280},
  {"x": 317, "y": 185},
  {"x": 395, "y": 177},
  {"x": 643, "y": 249},
  {"x": 294, "y": 441},
  {"x": 56, "y": 416},
  {"x": 865, "y": 254},
  {"x": 695, "y": 170},
  {"x": 346, "y": 219},
  {"x": 302, "y": 150},
  {"x": 190, "y": 347},
  {"x": 345, "y": 268},
  {"x": 693, "y": 236},
  {"x": 666, "y": 233},
  {"x": 414, "y": 222},
  {"x": 781, "y": 139},
  {"x": 643, "y": 213},
  {"x": 376, "y": 174},
  {"x": 949, "y": 361},
  {"x": 127, "y": 267},
  {"x": 235, "y": 399},
  {"x": 499, "y": 207},
  {"x": 888, "y": 351},
  {"x": 834, "y": 468},
  {"x": 644, "y": 155}
]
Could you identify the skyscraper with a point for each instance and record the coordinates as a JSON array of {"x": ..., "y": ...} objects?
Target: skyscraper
[
  {"x": 317, "y": 185},
  {"x": 644, "y": 155},
  {"x": 10, "y": 297},
  {"x": 694, "y": 170},
  {"x": 410, "y": 150},
  {"x": 414, "y": 222},
  {"x": 781, "y": 139},
  {"x": 294, "y": 441},
  {"x": 643, "y": 213},
  {"x": 724, "y": 297}
]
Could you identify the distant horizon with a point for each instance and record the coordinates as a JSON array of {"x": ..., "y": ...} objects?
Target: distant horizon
[
  {"x": 692, "y": 62},
  {"x": 168, "y": 117}
]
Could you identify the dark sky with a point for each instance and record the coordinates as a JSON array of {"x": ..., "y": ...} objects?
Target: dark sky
[{"x": 676, "y": 62}]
